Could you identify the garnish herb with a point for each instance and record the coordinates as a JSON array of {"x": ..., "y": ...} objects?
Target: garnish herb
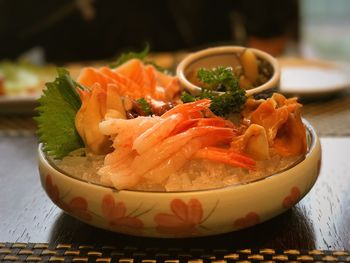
[
  {"x": 145, "y": 106},
  {"x": 56, "y": 121},
  {"x": 124, "y": 57},
  {"x": 219, "y": 79},
  {"x": 142, "y": 55},
  {"x": 213, "y": 78},
  {"x": 186, "y": 97}
]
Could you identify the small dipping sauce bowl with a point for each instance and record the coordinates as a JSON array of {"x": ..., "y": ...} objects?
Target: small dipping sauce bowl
[{"x": 227, "y": 56}]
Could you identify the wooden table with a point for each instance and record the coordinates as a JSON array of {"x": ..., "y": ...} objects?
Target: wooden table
[{"x": 320, "y": 221}]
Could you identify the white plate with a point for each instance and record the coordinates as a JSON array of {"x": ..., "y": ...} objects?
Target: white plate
[{"x": 307, "y": 78}]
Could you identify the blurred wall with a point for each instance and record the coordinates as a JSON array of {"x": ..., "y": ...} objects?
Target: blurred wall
[
  {"x": 88, "y": 30},
  {"x": 325, "y": 30}
]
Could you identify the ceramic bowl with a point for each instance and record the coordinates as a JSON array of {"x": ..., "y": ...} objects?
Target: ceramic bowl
[
  {"x": 183, "y": 214},
  {"x": 225, "y": 56}
]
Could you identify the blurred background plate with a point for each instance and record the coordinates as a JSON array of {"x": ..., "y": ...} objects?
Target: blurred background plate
[
  {"x": 21, "y": 85},
  {"x": 310, "y": 78}
]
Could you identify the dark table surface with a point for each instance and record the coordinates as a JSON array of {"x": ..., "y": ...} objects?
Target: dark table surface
[{"x": 321, "y": 220}]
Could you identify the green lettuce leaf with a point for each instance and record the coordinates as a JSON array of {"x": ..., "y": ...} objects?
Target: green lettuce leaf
[{"x": 56, "y": 121}]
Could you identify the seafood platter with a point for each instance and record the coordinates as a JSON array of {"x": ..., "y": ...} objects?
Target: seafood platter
[{"x": 135, "y": 149}]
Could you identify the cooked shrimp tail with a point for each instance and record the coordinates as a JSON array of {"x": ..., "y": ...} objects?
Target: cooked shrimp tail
[
  {"x": 225, "y": 156},
  {"x": 189, "y": 108}
]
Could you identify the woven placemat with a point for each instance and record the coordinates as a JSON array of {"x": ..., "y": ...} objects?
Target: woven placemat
[{"x": 34, "y": 252}]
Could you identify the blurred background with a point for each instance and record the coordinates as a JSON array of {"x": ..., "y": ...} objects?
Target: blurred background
[
  {"x": 38, "y": 35},
  {"x": 80, "y": 30},
  {"x": 62, "y": 31}
]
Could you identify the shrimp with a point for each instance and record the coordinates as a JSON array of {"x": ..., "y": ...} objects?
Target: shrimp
[
  {"x": 120, "y": 156},
  {"x": 192, "y": 109},
  {"x": 113, "y": 174},
  {"x": 114, "y": 165},
  {"x": 164, "y": 150},
  {"x": 156, "y": 133},
  {"x": 186, "y": 124},
  {"x": 226, "y": 156},
  {"x": 127, "y": 131},
  {"x": 170, "y": 140},
  {"x": 162, "y": 172},
  {"x": 174, "y": 151},
  {"x": 171, "y": 119}
]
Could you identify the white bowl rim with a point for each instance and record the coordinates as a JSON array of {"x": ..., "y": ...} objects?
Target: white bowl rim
[
  {"x": 189, "y": 59},
  {"x": 311, "y": 147}
]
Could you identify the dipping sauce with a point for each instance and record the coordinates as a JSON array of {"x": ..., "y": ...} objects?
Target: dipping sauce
[{"x": 250, "y": 70}]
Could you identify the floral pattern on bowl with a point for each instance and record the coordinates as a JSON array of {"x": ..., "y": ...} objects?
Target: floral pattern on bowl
[
  {"x": 118, "y": 218},
  {"x": 248, "y": 220},
  {"x": 77, "y": 206}
]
